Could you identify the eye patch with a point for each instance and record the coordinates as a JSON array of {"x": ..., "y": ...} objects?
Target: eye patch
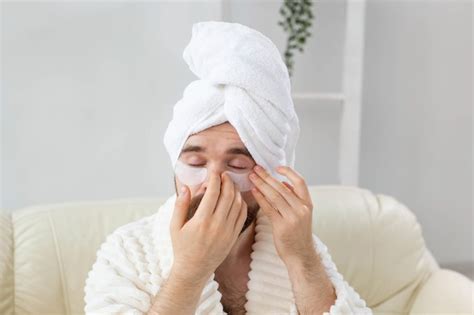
[{"x": 192, "y": 176}]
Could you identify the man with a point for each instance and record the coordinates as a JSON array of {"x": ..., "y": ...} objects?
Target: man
[{"x": 235, "y": 238}]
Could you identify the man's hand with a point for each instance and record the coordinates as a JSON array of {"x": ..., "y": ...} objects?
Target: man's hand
[
  {"x": 290, "y": 210},
  {"x": 203, "y": 242},
  {"x": 200, "y": 244}
]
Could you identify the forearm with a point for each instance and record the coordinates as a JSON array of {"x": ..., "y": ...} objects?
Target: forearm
[
  {"x": 178, "y": 295},
  {"x": 313, "y": 290}
]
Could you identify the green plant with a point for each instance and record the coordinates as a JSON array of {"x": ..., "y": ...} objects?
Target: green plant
[{"x": 297, "y": 18}]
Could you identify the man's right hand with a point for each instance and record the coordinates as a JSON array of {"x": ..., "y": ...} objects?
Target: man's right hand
[{"x": 203, "y": 242}]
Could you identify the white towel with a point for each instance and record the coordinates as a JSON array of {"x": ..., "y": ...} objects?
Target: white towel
[{"x": 242, "y": 80}]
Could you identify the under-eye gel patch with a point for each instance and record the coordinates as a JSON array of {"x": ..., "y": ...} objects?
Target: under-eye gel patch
[
  {"x": 241, "y": 180},
  {"x": 190, "y": 175},
  {"x": 193, "y": 175}
]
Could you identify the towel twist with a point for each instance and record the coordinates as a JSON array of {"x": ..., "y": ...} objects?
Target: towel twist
[{"x": 244, "y": 81}]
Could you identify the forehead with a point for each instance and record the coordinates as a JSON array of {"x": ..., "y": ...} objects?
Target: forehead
[
  {"x": 223, "y": 134},
  {"x": 220, "y": 139}
]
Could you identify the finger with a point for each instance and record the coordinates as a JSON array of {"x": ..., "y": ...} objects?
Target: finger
[
  {"x": 239, "y": 224},
  {"x": 180, "y": 212},
  {"x": 272, "y": 195},
  {"x": 289, "y": 186},
  {"x": 226, "y": 197},
  {"x": 265, "y": 206},
  {"x": 300, "y": 186},
  {"x": 236, "y": 206},
  {"x": 289, "y": 196},
  {"x": 211, "y": 195}
]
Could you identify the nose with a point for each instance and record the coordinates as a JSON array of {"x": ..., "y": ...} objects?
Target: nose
[{"x": 218, "y": 170}]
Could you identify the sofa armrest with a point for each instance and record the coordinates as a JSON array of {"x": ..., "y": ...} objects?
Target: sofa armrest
[{"x": 445, "y": 292}]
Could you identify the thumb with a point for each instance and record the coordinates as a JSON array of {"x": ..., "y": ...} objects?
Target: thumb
[{"x": 181, "y": 206}]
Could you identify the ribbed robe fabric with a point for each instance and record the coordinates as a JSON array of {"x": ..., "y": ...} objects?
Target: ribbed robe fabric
[{"x": 136, "y": 258}]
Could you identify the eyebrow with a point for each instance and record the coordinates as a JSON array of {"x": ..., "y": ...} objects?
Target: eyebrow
[{"x": 235, "y": 150}]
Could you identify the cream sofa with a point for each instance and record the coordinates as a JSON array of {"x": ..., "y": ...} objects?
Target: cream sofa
[{"x": 376, "y": 242}]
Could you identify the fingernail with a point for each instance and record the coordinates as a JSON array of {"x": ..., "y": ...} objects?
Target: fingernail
[{"x": 183, "y": 190}]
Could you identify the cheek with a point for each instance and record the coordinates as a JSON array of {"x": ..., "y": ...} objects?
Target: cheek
[
  {"x": 192, "y": 189},
  {"x": 242, "y": 181},
  {"x": 190, "y": 176}
]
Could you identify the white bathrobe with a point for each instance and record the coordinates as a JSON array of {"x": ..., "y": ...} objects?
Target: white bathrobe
[{"x": 136, "y": 258}]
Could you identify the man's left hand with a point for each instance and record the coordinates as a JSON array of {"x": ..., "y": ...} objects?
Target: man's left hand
[{"x": 289, "y": 208}]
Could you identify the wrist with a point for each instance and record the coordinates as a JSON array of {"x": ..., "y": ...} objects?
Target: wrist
[
  {"x": 189, "y": 276},
  {"x": 309, "y": 272},
  {"x": 307, "y": 262}
]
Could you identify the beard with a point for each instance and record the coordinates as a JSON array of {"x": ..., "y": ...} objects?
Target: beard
[{"x": 251, "y": 211}]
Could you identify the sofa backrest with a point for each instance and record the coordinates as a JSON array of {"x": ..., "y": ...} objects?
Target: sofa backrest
[{"x": 46, "y": 251}]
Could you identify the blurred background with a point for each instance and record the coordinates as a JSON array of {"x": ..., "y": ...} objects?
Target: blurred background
[{"x": 383, "y": 90}]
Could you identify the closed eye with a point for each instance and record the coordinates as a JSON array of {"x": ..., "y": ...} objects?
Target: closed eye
[{"x": 237, "y": 168}]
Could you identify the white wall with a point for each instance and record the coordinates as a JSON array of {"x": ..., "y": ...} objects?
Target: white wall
[
  {"x": 88, "y": 92},
  {"x": 89, "y": 89},
  {"x": 417, "y": 116}
]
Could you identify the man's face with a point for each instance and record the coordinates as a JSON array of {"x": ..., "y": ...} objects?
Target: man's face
[{"x": 217, "y": 148}]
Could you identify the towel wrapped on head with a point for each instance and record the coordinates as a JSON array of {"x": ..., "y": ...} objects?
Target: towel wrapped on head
[{"x": 242, "y": 80}]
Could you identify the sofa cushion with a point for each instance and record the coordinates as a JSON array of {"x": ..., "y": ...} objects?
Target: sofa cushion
[{"x": 376, "y": 242}]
